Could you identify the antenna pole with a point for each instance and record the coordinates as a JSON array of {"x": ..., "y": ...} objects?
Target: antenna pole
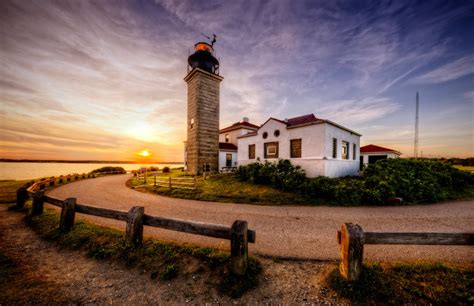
[{"x": 416, "y": 124}]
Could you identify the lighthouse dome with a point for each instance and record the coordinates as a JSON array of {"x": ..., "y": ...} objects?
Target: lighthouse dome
[{"x": 203, "y": 58}]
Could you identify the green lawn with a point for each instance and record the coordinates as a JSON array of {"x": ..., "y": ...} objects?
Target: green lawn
[
  {"x": 403, "y": 283},
  {"x": 224, "y": 188},
  {"x": 8, "y": 190},
  {"x": 465, "y": 168}
]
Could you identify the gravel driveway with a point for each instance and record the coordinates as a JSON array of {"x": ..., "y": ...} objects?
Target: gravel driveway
[{"x": 287, "y": 231}]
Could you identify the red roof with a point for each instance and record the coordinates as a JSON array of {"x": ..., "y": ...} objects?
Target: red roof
[
  {"x": 227, "y": 146},
  {"x": 301, "y": 120},
  {"x": 373, "y": 148},
  {"x": 239, "y": 125}
]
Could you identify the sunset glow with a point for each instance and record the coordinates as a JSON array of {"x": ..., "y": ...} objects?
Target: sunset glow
[
  {"x": 144, "y": 153},
  {"x": 101, "y": 80}
]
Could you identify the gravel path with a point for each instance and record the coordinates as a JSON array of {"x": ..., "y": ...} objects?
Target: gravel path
[
  {"x": 34, "y": 271},
  {"x": 287, "y": 231}
]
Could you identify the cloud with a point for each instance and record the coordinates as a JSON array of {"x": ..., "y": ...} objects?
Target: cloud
[
  {"x": 456, "y": 69},
  {"x": 118, "y": 67}
]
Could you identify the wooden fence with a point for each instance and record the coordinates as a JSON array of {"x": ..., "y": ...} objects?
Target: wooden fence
[
  {"x": 238, "y": 234},
  {"x": 352, "y": 238},
  {"x": 175, "y": 182},
  {"x": 30, "y": 188}
]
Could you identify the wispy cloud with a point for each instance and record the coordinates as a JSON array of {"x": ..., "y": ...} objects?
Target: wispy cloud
[
  {"x": 456, "y": 69},
  {"x": 115, "y": 71}
]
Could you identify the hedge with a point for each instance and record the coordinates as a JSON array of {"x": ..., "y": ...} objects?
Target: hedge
[{"x": 416, "y": 181}]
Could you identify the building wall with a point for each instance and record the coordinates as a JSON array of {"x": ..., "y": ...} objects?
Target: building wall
[
  {"x": 234, "y": 134},
  {"x": 341, "y": 167},
  {"x": 222, "y": 158},
  {"x": 316, "y": 142},
  {"x": 202, "y": 145}
]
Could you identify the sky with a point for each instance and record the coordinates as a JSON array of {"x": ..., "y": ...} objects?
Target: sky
[{"x": 103, "y": 80}]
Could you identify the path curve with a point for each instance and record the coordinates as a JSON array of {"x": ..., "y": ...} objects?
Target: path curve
[{"x": 288, "y": 231}]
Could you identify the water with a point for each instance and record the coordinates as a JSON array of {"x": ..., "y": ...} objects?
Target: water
[{"x": 24, "y": 171}]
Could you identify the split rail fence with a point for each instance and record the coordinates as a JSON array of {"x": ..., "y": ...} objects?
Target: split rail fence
[
  {"x": 352, "y": 239},
  {"x": 168, "y": 181},
  {"x": 238, "y": 234},
  {"x": 175, "y": 182}
]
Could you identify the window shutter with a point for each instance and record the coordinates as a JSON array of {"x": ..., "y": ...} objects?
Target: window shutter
[{"x": 295, "y": 151}]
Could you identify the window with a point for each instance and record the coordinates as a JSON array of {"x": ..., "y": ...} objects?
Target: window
[
  {"x": 191, "y": 123},
  {"x": 334, "y": 148},
  {"x": 227, "y": 137},
  {"x": 276, "y": 133},
  {"x": 265, "y": 135},
  {"x": 354, "y": 148},
  {"x": 206, "y": 168},
  {"x": 252, "y": 151},
  {"x": 345, "y": 150},
  {"x": 271, "y": 149},
  {"x": 295, "y": 150},
  {"x": 228, "y": 160}
]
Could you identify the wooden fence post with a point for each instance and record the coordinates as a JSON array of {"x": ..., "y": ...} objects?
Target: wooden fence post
[
  {"x": 169, "y": 182},
  {"x": 239, "y": 247},
  {"x": 351, "y": 251},
  {"x": 21, "y": 197},
  {"x": 195, "y": 182},
  {"x": 38, "y": 203},
  {"x": 154, "y": 180},
  {"x": 68, "y": 213},
  {"x": 134, "y": 230}
]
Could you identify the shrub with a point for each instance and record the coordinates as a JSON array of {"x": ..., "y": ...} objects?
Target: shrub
[
  {"x": 166, "y": 170},
  {"x": 109, "y": 169},
  {"x": 416, "y": 181},
  {"x": 280, "y": 175}
]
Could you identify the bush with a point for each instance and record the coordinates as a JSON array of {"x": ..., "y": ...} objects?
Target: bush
[
  {"x": 166, "y": 170},
  {"x": 280, "y": 175},
  {"x": 416, "y": 181},
  {"x": 109, "y": 169}
]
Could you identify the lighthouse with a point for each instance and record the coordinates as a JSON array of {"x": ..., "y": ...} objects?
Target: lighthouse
[{"x": 203, "y": 80}]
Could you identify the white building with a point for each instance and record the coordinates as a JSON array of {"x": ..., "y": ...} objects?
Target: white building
[
  {"x": 321, "y": 147},
  {"x": 228, "y": 142},
  {"x": 369, "y": 154}
]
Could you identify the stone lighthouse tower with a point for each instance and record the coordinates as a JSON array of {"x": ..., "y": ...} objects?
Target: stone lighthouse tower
[{"x": 202, "y": 145}]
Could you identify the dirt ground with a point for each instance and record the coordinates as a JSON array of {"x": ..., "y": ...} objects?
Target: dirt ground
[{"x": 35, "y": 271}]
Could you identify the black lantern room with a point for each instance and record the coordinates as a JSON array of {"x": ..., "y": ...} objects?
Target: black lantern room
[{"x": 203, "y": 58}]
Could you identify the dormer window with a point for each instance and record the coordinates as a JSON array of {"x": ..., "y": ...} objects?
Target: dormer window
[{"x": 227, "y": 137}]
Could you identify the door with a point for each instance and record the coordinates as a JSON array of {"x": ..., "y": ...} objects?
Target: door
[
  {"x": 361, "y": 166},
  {"x": 374, "y": 158},
  {"x": 228, "y": 160}
]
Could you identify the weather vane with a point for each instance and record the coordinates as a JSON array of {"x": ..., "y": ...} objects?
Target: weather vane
[{"x": 213, "y": 40}]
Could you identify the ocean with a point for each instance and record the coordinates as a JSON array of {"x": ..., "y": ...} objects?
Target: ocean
[{"x": 24, "y": 171}]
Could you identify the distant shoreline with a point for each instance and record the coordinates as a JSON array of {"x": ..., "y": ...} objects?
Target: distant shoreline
[{"x": 5, "y": 160}]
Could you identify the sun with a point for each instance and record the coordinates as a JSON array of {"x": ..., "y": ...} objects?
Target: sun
[{"x": 144, "y": 153}]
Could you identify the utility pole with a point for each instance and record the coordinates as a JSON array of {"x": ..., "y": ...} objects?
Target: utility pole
[{"x": 416, "y": 124}]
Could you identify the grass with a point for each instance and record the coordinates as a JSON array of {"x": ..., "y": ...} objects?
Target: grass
[
  {"x": 465, "y": 168},
  {"x": 8, "y": 190},
  {"x": 162, "y": 260},
  {"x": 224, "y": 188},
  {"x": 396, "y": 284},
  {"x": 227, "y": 188}
]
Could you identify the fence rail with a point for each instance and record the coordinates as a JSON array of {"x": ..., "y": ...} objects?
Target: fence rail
[
  {"x": 175, "y": 182},
  {"x": 238, "y": 234},
  {"x": 352, "y": 238}
]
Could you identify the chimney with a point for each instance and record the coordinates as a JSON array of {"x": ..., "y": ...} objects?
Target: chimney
[
  {"x": 245, "y": 119},
  {"x": 286, "y": 120}
]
